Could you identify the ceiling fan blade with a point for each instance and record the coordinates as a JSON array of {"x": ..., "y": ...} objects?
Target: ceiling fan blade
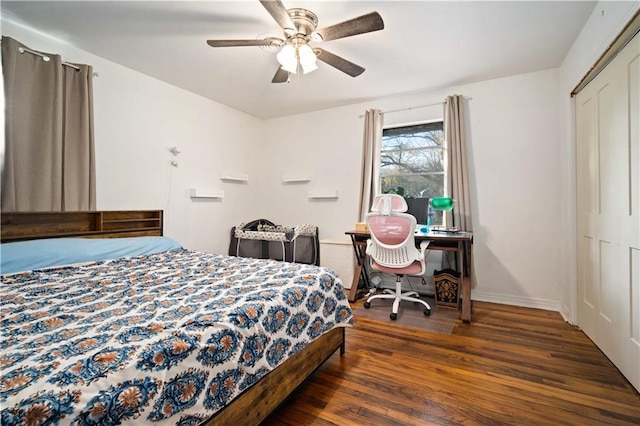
[
  {"x": 281, "y": 76},
  {"x": 360, "y": 25},
  {"x": 277, "y": 10},
  {"x": 339, "y": 63},
  {"x": 269, "y": 41}
]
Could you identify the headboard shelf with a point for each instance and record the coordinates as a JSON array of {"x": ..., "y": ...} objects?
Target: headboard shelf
[{"x": 23, "y": 226}]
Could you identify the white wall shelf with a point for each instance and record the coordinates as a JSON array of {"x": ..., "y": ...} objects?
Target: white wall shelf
[
  {"x": 324, "y": 193},
  {"x": 235, "y": 177},
  {"x": 296, "y": 178},
  {"x": 201, "y": 193}
]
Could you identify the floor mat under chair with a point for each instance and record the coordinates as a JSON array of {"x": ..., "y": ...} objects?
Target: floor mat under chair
[{"x": 410, "y": 314}]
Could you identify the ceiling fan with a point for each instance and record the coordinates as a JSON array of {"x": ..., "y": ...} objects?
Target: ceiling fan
[{"x": 300, "y": 28}]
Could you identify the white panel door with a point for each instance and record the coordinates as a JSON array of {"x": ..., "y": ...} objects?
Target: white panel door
[{"x": 608, "y": 208}]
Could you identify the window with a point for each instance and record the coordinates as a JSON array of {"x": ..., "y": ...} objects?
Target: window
[{"x": 412, "y": 161}]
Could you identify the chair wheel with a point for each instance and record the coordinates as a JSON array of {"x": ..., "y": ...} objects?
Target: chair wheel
[
  {"x": 367, "y": 305},
  {"x": 393, "y": 316},
  {"x": 427, "y": 312}
]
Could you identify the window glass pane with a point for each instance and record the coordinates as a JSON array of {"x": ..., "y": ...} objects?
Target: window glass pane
[
  {"x": 415, "y": 186},
  {"x": 391, "y": 141},
  {"x": 412, "y": 160}
]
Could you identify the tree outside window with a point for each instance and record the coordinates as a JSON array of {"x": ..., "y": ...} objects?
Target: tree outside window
[{"x": 412, "y": 161}]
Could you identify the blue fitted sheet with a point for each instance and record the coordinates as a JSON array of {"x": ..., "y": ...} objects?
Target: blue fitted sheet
[{"x": 37, "y": 254}]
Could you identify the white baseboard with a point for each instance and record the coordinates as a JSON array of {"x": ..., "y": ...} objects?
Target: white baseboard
[
  {"x": 526, "y": 302},
  {"x": 566, "y": 314}
]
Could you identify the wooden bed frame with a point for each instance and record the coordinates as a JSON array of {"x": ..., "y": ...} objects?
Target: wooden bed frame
[
  {"x": 99, "y": 224},
  {"x": 255, "y": 403}
]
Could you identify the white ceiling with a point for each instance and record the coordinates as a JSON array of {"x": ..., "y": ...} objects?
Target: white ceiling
[{"x": 425, "y": 45}]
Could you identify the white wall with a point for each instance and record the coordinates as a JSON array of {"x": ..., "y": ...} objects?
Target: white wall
[
  {"x": 606, "y": 22},
  {"x": 514, "y": 162},
  {"x": 137, "y": 118}
]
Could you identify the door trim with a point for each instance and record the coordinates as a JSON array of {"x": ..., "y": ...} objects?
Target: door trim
[{"x": 619, "y": 43}]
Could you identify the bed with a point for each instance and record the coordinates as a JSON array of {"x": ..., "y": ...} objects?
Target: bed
[{"x": 169, "y": 336}]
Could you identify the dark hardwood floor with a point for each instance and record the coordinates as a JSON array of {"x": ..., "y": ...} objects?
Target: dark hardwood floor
[{"x": 512, "y": 365}]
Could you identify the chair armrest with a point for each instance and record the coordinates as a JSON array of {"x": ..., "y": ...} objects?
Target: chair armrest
[
  {"x": 423, "y": 250},
  {"x": 368, "y": 251},
  {"x": 369, "y": 244}
]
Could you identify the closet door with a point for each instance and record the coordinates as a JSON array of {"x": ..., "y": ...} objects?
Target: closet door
[{"x": 608, "y": 206}]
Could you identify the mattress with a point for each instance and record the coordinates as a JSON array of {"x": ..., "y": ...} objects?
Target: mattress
[{"x": 166, "y": 338}]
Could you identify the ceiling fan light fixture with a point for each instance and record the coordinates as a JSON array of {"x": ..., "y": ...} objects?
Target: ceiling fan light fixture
[
  {"x": 291, "y": 68},
  {"x": 307, "y": 58},
  {"x": 306, "y": 69},
  {"x": 288, "y": 58}
]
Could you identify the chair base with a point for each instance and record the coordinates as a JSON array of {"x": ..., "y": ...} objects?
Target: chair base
[{"x": 398, "y": 296}]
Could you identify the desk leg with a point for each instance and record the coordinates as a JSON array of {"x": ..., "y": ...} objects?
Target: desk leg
[
  {"x": 360, "y": 249},
  {"x": 466, "y": 286},
  {"x": 353, "y": 291},
  {"x": 466, "y": 300}
]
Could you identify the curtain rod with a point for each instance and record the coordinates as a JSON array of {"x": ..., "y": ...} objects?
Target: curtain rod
[
  {"x": 415, "y": 107},
  {"x": 46, "y": 59}
]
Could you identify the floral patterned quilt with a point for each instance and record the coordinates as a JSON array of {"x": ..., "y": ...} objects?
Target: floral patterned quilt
[{"x": 169, "y": 338}]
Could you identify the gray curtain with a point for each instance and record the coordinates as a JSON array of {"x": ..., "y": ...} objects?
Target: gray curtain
[
  {"x": 370, "y": 178},
  {"x": 49, "y": 142},
  {"x": 458, "y": 176}
]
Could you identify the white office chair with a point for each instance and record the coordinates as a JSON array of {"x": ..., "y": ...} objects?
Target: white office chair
[
  {"x": 388, "y": 203},
  {"x": 392, "y": 249}
]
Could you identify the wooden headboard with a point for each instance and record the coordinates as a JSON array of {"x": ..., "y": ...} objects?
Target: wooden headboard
[{"x": 95, "y": 224}]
